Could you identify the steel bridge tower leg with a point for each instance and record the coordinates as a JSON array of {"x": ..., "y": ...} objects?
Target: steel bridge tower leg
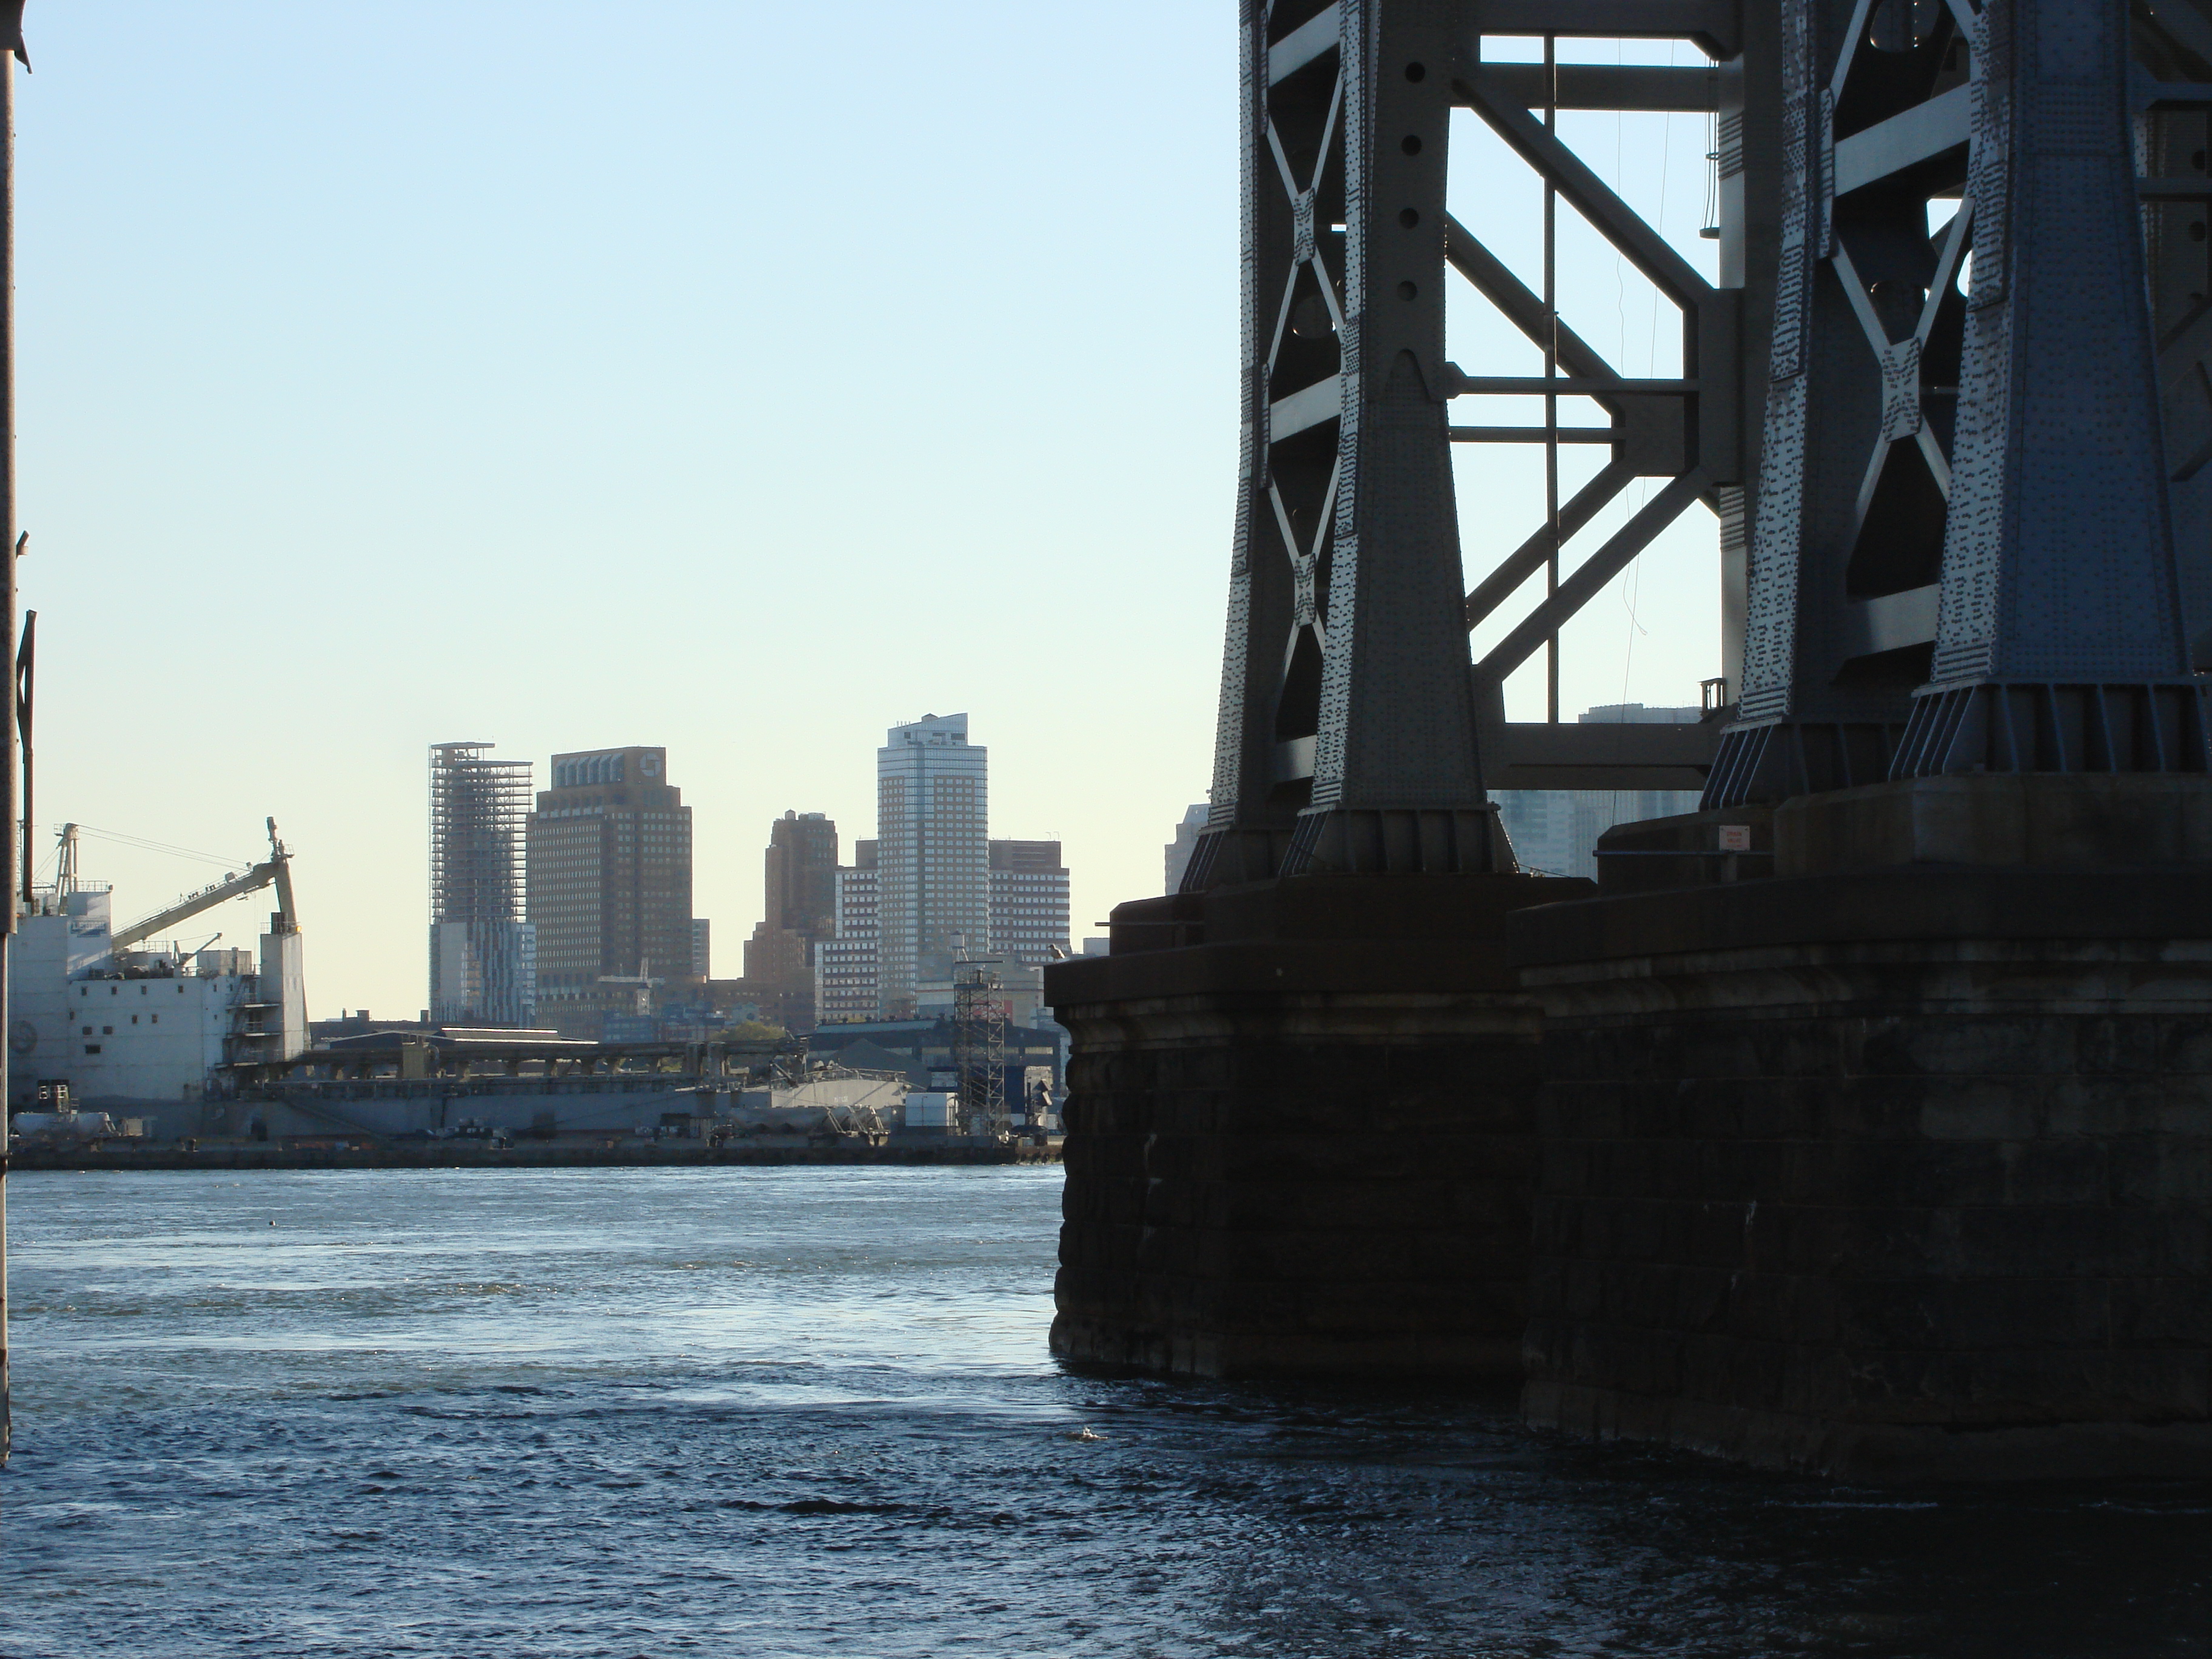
[
  {"x": 1347, "y": 734},
  {"x": 1989, "y": 950},
  {"x": 2061, "y": 644}
]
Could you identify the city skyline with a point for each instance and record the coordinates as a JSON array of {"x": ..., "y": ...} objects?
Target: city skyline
[
  {"x": 494, "y": 355},
  {"x": 589, "y": 881}
]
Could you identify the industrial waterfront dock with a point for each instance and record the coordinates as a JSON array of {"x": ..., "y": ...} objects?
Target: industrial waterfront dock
[{"x": 459, "y": 1154}]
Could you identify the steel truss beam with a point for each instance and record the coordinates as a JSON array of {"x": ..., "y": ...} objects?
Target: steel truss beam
[
  {"x": 1688, "y": 431},
  {"x": 1717, "y": 25},
  {"x": 1611, "y": 87}
]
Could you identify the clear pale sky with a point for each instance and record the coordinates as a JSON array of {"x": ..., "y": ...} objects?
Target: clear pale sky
[{"x": 739, "y": 377}]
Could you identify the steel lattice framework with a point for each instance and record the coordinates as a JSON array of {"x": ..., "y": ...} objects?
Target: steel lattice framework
[
  {"x": 1966, "y": 542},
  {"x": 1354, "y": 733},
  {"x": 1347, "y": 734},
  {"x": 478, "y": 808},
  {"x": 980, "y": 1014},
  {"x": 1961, "y": 525}
]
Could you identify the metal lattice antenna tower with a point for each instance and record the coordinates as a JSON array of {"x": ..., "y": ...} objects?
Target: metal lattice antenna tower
[{"x": 978, "y": 1045}]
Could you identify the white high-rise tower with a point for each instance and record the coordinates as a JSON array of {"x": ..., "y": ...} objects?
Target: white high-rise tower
[{"x": 933, "y": 853}]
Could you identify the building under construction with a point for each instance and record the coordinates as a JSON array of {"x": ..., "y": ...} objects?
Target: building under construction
[{"x": 483, "y": 968}]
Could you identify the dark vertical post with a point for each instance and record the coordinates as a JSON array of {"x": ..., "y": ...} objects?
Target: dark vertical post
[
  {"x": 1552, "y": 373},
  {"x": 26, "y": 658},
  {"x": 8, "y": 549}
]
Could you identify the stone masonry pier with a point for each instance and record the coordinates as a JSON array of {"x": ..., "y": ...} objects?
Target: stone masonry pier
[
  {"x": 1300, "y": 1122},
  {"x": 1897, "y": 1164}
]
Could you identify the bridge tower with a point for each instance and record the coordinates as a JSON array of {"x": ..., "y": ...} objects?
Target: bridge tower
[
  {"x": 1303, "y": 1090},
  {"x": 1859, "y": 1122},
  {"x": 1348, "y": 735},
  {"x": 1884, "y": 1151}
]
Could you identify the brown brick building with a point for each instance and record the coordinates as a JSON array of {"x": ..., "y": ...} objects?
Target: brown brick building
[
  {"x": 802, "y": 868},
  {"x": 609, "y": 888}
]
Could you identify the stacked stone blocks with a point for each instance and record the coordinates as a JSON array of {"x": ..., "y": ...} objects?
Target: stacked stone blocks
[{"x": 1270, "y": 1172}]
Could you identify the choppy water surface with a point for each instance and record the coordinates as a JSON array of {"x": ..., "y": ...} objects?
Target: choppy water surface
[{"x": 767, "y": 1412}]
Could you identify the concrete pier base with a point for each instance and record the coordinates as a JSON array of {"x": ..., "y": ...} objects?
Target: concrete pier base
[
  {"x": 1895, "y": 1171},
  {"x": 1300, "y": 1122}
]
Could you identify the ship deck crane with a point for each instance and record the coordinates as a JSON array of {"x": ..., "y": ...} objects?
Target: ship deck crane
[{"x": 275, "y": 870}]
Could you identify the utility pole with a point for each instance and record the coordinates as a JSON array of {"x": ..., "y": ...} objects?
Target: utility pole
[
  {"x": 26, "y": 668},
  {"x": 11, "y": 43}
]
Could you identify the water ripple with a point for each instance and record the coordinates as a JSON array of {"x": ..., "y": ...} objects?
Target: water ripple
[{"x": 809, "y": 1411}]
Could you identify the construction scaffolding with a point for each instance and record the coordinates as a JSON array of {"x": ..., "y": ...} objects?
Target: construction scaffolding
[
  {"x": 980, "y": 1017},
  {"x": 482, "y": 955}
]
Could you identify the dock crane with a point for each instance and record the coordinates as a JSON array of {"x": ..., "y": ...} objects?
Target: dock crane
[
  {"x": 275, "y": 870},
  {"x": 643, "y": 980}
]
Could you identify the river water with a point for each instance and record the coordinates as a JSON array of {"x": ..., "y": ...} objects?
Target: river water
[{"x": 810, "y": 1411}]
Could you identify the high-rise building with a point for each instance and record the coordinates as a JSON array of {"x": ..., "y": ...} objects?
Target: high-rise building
[
  {"x": 848, "y": 969},
  {"x": 483, "y": 970},
  {"x": 1028, "y": 900},
  {"x": 1184, "y": 844},
  {"x": 932, "y": 887},
  {"x": 801, "y": 872},
  {"x": 933, "y": 866},
  {"x": 800, "y": 909},
  {"x": 611, "y": 889}
]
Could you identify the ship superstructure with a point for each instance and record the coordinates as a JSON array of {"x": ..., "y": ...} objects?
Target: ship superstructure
[{"x": 133, "y": 1027}]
